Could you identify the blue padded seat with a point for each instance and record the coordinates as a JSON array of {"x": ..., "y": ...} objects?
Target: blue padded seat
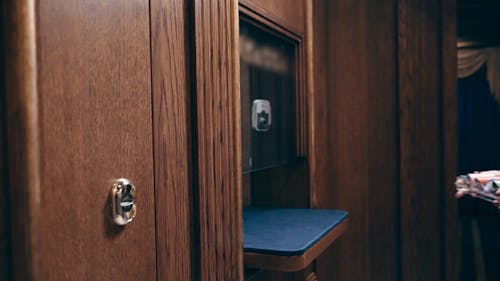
[{"x": 286, "y": 232}]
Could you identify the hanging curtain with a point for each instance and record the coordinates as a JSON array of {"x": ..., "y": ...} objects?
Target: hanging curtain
[
  {"x": 493, "y": 64},
  {"x": 478, "y": 149},
  {"x": 478, "y": 124},
  {"x": 469, "y": 61}
]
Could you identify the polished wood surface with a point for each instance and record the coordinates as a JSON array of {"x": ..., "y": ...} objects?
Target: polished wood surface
[
  {"x": 94, "y": 86},
  {"x": 287, "y": 13},
  {"x": 22, "y": 136},
  {"x": 450, "y": 138},
  {"x": 172, "y": 139},
  {"x": 421, "y": 140},
  {"x": 297, "y": 262},
  {"x": 359, "y": 156},
  {"x": 219, "y": 168}
]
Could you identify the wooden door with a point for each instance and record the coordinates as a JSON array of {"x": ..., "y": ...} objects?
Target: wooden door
[
  {"x": 94, "y": 78},
  {"x": 98, "y": 91}
]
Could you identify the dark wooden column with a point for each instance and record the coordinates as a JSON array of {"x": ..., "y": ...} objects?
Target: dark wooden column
[
  {"x": 427, "y": 106},
  {"x": 450, "y": 138},
  {"x": 22, "y": 137}
]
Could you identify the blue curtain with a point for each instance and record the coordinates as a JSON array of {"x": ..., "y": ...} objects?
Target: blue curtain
[
  {"x": 478, "y": 125},
  {"x": 478, "y": 149}
]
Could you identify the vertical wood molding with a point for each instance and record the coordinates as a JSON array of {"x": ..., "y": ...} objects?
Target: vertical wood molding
[
  {"x": 420, "y": 102},
  {"x": 316, "y": 38},
  {"x": 219, "y": 144},
  {"x": 450, "y": 137},
  {"x": 169, "y": 47},
  {"x": 314, "y": 174},
  {"x": 22, "y": 138}
]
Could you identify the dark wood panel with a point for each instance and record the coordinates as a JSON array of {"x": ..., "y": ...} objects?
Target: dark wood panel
[
  {"x": 172, "y": 157},
  {"x": 22, "y": 137},
  {"x": 95, "y": 99},
  {"x": 218, "y": 140},
  {"x": 421, "y": 140},
  {"x": 450, "y": 138},
  {"x": 4, "y": 209},
  {"x": 287, "y": 13},
  {"x": 284, "y": 186},
  {"x": 361, "y": 116}
]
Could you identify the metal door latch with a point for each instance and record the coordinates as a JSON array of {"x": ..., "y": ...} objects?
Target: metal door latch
[
  {"x": 261, "y": 115},
  {"x": 123, "y": 201}
]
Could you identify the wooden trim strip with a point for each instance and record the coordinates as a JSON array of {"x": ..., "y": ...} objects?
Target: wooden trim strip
[
  {"x": 298, "y": 262},
  {"x": 23, "y": 138},
  {"x": 172, "y": 146},
  {"x": 311, "y": 105},
  {"x": 246, "y": 12},
  {"x": 261, "y": 13},
  {"x": 219, "y": 140}
]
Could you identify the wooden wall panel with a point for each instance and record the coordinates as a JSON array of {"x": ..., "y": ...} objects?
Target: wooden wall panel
[
  {"x": 218, "y": 140},
  {"x": 361, "y": 113},
  {"x": 450, "y": 138},
  {"x": 421, "y": 116},
  {"x": 171, "y": 123},
  {"x": 287, "y": 13},
  {"x": 94, "y": 82}
]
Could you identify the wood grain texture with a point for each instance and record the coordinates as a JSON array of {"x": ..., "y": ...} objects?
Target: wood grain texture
[
  {"x": 95, "y": 97},
  {"x": 420, "y": 103},
  {"x": 360, "y": 110},
  {"x": 219, "y": 140},
  {"x": 297, "y": 262},
  {"x": 287, "y": 13},
  {"x": 171, "y": 119},
  {"x": 450, "y": 138},
  {"x": 22, "y": 135}
]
